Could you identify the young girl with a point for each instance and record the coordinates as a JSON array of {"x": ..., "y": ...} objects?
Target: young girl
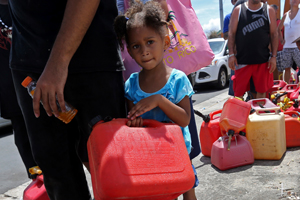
[{"x": 158, "y": 91}]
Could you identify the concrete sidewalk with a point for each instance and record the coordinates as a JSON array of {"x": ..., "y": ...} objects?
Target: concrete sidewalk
[{"x": 263, "y": 180}]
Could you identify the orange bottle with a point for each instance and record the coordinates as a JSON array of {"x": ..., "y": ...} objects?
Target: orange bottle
[{"x": 66, "y": 117}]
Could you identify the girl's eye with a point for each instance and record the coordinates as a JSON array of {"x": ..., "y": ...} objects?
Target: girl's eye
[
  {"x": 135, "y": 46},
  {"x": 150, "y": 42}
]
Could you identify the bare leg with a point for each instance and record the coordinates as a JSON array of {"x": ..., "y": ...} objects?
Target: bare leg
[
  {"x": 275, "y": 74},
  {"x": 287, "y": 75},
  {"x": 190, "y": 195},
  {"x": 260, "y": 95}
]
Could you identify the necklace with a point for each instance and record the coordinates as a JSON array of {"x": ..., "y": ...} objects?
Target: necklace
[{"x": 6, "y": 30}]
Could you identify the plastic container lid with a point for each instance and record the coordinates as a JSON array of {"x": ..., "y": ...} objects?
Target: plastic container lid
[{"x": 26, "y": 81}]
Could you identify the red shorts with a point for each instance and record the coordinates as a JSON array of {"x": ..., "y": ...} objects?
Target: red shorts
[{"x": 262, "y": 79}]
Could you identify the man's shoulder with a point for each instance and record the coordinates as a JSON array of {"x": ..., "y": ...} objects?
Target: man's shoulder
[{"x": 239, "y": 2}]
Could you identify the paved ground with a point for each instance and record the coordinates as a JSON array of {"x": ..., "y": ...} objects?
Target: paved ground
[{"x": 263, "y": 180}]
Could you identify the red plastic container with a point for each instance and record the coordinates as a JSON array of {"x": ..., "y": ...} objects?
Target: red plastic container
[
  {"x": 149, "y": 162},
  {"x": 210, "y": 132},
  {"x": 234, "y": 115},
  {"x": 277, "y": 85},
  {"x": 265, "y": 102},
  {"x": 240, "y": 154},
  {"x": 292, "y": 108},
  {"x": 292, "y": 129},
  {"x": 289, "y": 88},
  {"x": 36, "y": 190},
  {"x": 294, "y": 95}
]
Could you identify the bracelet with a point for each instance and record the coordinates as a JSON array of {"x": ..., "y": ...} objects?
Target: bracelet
[
  {"x": 231, "y": 55},
  {"x": 274, "y": 56}
]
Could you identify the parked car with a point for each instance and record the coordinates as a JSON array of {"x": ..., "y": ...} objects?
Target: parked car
[{"x": 218, "y": 72}]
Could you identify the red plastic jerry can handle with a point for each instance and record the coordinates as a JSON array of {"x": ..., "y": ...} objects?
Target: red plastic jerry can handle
[
  {"x": 152, "y": 123},
  {"x": 214, "y": 113}
]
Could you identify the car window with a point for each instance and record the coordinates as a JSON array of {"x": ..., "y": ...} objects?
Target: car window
[{"x": 216, "y": 46}]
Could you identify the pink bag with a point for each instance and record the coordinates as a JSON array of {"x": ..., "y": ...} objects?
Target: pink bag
[{"x": 189, "y": 50}]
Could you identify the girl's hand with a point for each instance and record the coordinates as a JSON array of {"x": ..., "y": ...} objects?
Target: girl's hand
[
  {"x": 144, "y": 106},
  {"x": 137, "y": 122}
]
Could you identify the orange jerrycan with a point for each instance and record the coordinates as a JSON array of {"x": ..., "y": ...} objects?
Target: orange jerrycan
[
  {"x": 234, "y": 117},
  {"x": 210, "y": 131},
  {"x": 240, "y": 153},
  {"x": 149, "y": 162},
  {"x": 266, "y": 134},
  {"x": 292, "y": 128}
]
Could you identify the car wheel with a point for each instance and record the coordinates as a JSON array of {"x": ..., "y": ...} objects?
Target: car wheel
[{"x": 222, "y": 79}]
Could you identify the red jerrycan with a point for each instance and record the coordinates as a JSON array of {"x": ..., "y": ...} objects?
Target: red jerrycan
[
  {"x": 277, "y": 85},
  {"x": 240, "y": 154},
  {"x": 234, "y": 117},
  {"x": 261, "y": 103},
  {"x": 295, "y": 106},
  {"x": 149, "y": 162},
  {"x": 289, "y": 88},
  {"x": 210, "y": 131},
  {"x": 294, "y": 95},
  {"x": 292, "y": 128},
  {"x": 36, "y": 190}
]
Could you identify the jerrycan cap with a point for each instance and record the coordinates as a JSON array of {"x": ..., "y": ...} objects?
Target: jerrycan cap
[{"x": 26, "y": 81}]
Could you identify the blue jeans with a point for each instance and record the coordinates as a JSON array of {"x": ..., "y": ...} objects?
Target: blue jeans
[{"x": 230, "y": 91}]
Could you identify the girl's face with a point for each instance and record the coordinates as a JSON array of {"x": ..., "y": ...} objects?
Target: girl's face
[{"x": 147, "y": 47}]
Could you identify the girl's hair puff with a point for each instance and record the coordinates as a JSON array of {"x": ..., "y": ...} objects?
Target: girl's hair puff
[{"x": 149, "y": 14}]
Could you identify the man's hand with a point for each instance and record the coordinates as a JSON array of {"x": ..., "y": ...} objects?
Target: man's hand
[
  {"x": 49, "y": 87},
  {"x": 232, "y": 62},
  {"x": 272, "y": 64}
]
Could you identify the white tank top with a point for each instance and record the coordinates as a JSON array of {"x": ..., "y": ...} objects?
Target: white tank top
[{"x": 291, "y": 30}]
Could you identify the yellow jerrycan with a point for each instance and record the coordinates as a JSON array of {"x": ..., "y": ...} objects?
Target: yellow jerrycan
[{"x": 266, "y": 133}]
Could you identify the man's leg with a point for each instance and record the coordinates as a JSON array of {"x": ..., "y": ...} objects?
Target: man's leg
[
  {"x": 22, "y": 142},
  {"x": 241, "y": 81},
  {"x": 54, "y": 147},
  {"x": 287, "y": 75},
  {"x": 262, "y": 79}
]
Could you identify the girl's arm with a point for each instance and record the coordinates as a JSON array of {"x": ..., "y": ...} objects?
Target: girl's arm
[{"x": 179, "y": 113}]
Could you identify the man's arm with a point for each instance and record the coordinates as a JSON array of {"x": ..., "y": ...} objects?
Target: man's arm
[
  {"x": 279, "y": 29},
  {"x": 274, "y": 39},
  {"x": 231, "y": 37},
  {"x": 76, "y": 21}
]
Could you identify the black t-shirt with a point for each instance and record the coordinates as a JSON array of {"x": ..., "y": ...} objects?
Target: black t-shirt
[
  {"x": 36, "y": 24},
  {"x": 253, "y": 36}
]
